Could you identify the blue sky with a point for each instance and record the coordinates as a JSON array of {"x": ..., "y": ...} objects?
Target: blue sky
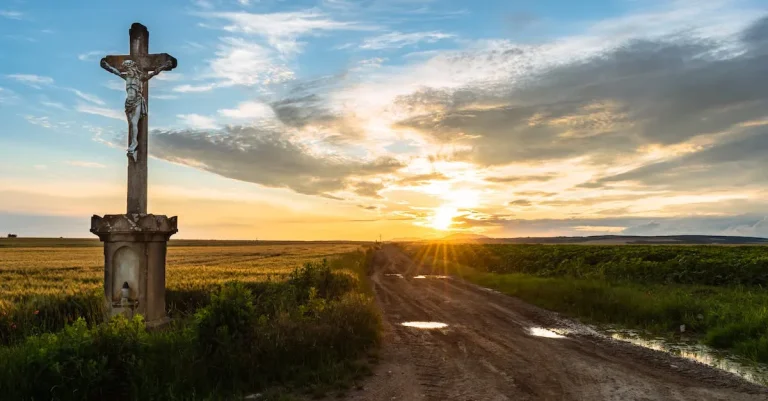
[{"x": 344, "y": 119}]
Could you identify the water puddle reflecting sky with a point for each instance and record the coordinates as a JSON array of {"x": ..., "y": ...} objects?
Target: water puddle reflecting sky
[
  {"x": 393, "y": 275},
  {"x": 690, "y": 349},
  {"x": 421, "y": 276},
  {"x": 425, "y": 325},
  {"x": 542, "y": 332}
]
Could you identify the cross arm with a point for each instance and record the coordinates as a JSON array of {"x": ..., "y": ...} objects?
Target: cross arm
[{"x": 147, "y": 63}]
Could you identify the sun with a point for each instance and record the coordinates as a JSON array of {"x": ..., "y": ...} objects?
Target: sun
[{"x": 443, "y": 217}]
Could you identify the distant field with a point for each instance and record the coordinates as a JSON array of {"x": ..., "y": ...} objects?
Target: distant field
[
  {"x": 52, "y": 267},
  {"x": 94, "y": 242}
]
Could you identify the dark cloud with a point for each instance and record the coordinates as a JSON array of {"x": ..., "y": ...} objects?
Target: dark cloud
[
  {"x": 264, "y": 157},
  {"x": 368, "y": 189},
  {"x": 521, "y": 178},
  {"x": 422, "y": 179},
  {"x": 520, "y": 202},
  {"x": 737, "y": 162},
  {"x": 665, "y": 91}
]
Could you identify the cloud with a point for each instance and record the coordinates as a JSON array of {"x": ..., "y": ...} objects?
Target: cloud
[
  {"x": 422, "y": 179},
  {"x": 35, "y": 81},
  {"x": 7, "y": 96},
  {"x": 92, "y": 55},
  {"x": 265, "y": 157},
  {"x": 283, "y": 29},
  {"x": 197, "y": 121},
  {"x": 186, "y": 88},
  {"x": 55, "y": 105},
  {"x": 17, "y": 15},
  {"x": 522, "y": 178},
  {"x": 521, "y": 202},
  {"x": 240, "y": 62},
  {"x": 101, "y": 111},
  {"x": 368, "y": 189},
  {"x": 88, "y": 97},
  {"x": 396, "y": 40},
  {"x": 249, "y": 110},
  {"x": 663, "y": 91},
  {"x": 78, "y": 163},
  {"x": 41, "y": 121}
]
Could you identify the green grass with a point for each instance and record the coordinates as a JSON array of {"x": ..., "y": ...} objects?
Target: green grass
[
  {"x": 716, "y": 292},
  {"x": 310, "y": 330}
]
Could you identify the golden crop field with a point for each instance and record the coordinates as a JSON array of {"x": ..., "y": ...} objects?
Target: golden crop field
[{"x": 48, "y": 268}]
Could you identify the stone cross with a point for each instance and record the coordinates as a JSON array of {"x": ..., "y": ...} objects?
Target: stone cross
[
  {"x": 135, "y": 243},
  {"x": 136, "y": 69}
]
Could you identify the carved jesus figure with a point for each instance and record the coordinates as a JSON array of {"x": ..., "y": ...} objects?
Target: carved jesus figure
[{"x": 135, "y": 105}]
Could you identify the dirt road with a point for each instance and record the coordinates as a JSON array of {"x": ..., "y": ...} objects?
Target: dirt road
[{"x": 495, "y": 347}]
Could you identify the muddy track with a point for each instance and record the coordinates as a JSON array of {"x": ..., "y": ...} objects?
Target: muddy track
[{"x": 488, "y": 350}]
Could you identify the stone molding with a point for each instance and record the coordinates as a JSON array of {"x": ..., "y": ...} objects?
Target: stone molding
[{"x": 134, "y": 227}]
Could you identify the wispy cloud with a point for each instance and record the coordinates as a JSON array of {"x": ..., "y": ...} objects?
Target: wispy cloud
[
  {"x": 35, "y": 81},
  {"x": 55, "y": 105},
  {"x": 79, "y": 163},
  {"x": 91, "y": 55},
  {"x": 101, "y": 111},
  {"x": 88, "y": 97},
  {"x": 396, "y": 40},
  {"x": 44, "y": 122},
  {"x": 17, "y": 15},
  {"x": 282, "y": 30},
  {"x": 115, "y": 84},
  {"x": 187, "y": 88},
  {"x": 249, "y": 110},
  {"x": 197, "y": 121},
  {"x": 7, "y": 95},
  {"x": 243, "y": 63}
]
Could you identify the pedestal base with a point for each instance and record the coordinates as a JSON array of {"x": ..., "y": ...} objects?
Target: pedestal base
[{"x": 134, "y": 263}]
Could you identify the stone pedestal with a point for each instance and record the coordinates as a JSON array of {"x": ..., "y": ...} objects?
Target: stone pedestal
[{"x": 134, "y": 254}]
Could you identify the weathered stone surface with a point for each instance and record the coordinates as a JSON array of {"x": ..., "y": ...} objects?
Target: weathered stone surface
[
  {"x": 133, "y": 223},
  {"x": 134, "y": 253}
]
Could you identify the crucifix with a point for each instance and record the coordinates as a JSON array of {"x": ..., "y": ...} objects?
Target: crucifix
[
  {"x": 137, "y": 68},
  {"x": 135, "y": 243}
]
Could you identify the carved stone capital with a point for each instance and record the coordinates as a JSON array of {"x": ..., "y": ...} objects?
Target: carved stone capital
[{"x": 134, "y": 227}]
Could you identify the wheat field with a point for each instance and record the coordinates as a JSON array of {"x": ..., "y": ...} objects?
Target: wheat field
[{"x": 28, "y": 270}]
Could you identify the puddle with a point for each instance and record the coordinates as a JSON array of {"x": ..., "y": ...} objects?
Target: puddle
[
  {"x": 431, "y": 276},
  {"x": 542, "y": 332},
  {"x": 690, "y": 349},
  {"x": 393, "y": 275},
  {"x": 425, "y": 325}
]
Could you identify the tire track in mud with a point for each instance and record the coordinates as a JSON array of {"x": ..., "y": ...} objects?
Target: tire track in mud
[{"x": 488, "y": 352}]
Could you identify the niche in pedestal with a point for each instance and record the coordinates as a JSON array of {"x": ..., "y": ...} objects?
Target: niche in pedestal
[{"x": 125, "y": 269}]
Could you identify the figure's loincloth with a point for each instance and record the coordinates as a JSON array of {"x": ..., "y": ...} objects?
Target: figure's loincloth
[{"x": 137, "y": 102}]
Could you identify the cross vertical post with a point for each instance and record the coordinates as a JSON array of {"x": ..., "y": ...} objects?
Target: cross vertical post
[{"x": 137, "y": 170}]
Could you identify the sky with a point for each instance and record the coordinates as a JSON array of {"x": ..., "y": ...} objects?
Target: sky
[{"x": 344, "y": 119}]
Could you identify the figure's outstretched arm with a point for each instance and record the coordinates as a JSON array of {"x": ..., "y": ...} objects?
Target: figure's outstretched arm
[
  {"x": 105, "y": 65},
  {"x": 167, "y": 66}
]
